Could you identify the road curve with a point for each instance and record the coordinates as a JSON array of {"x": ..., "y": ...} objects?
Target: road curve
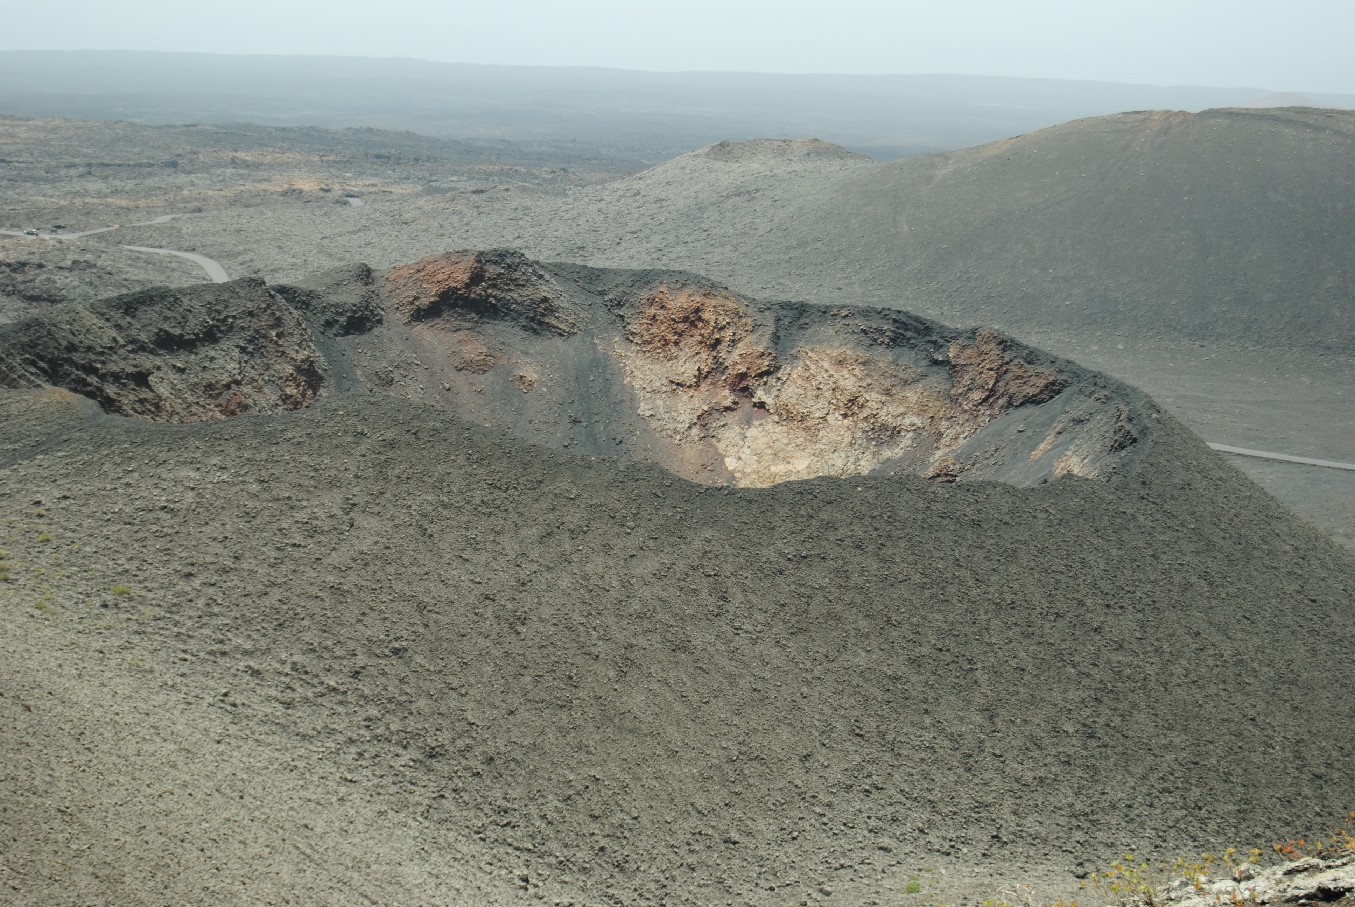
[
  {"x": 215, "y": 272},
  {"x": 1267, "y": 455}
]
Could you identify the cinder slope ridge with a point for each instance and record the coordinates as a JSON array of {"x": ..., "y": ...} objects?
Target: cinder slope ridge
[
  {"x": 720, "y": 388},
  {"x": 669, "y": 367}
]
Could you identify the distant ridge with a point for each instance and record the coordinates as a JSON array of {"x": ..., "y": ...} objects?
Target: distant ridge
[
  {"x": 657, "y": 114},
  {"x": 778, "y": 149}
]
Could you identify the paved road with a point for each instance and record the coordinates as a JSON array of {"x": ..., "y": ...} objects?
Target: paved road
[
  {"x": 162, "y": 219},
  {"x": 1267, "y": 455},
  {"x": 215, "y": 272}
]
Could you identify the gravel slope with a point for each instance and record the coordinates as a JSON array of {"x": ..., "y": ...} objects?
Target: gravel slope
[{"x": 628, "y": 689}]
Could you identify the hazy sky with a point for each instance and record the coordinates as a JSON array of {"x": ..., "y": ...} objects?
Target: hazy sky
[{"x": 1298, "y": 45}]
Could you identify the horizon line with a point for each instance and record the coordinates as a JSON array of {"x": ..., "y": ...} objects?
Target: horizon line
[{"x": 674, "y": 72}]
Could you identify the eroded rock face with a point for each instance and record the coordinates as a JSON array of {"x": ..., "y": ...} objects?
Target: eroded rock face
[
  {"x": 720, "y": 388},
  {"x": 197, "y": 354}
]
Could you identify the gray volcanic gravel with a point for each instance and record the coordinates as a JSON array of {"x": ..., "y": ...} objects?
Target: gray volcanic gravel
[{"x": 520, "y": 675}]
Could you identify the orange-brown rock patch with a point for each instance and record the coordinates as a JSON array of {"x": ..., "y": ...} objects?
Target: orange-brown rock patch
[
  {"x": 987, "y": 379},
  {"x": 495, "y": 285},
  {"x": 709, "y": 332},
  {"x": 418, "y": 290}
]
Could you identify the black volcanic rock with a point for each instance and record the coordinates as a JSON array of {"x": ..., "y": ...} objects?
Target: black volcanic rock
[
  {"x": 194, "y": 354},
  {"x": 338, "y": 303}
]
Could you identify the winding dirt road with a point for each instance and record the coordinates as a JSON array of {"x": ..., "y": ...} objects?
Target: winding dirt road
[{"x": 215, "y": 272}]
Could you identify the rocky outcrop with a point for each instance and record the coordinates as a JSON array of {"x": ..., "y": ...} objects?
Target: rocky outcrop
[
  {"x": 1312, "y": 880},
  {"x": 197, "y": 354},
  {"x": 337, "y": 303},
  {"x": 496, "y": 284}
]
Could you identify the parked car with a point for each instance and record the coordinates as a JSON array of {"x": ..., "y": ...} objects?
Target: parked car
[{"x": 30, "y": 233}]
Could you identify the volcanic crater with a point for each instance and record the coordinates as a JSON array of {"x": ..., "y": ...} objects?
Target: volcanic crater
[{"x": 663, "y": 366}]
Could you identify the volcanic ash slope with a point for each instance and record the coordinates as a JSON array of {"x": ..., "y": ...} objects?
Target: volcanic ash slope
[
  {"x": 1224, "y": 227},
  {"x": 358, "y": 646}
]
